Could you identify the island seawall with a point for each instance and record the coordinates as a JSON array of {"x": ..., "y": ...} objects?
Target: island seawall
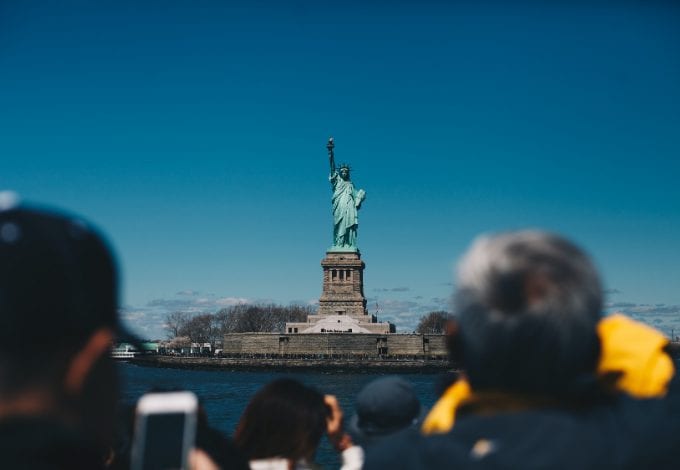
[
  {"x": 313, "y": 357},
  {"x": 319, "y": 351}
]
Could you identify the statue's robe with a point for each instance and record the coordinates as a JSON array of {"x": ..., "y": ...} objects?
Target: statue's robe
[{"x": 345, "y": 214}]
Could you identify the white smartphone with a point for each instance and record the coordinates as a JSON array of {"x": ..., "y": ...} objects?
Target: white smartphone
[{"x": 165, "y": 431}]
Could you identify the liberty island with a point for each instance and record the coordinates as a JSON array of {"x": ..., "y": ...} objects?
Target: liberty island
[{"x": 341, "y": 334}]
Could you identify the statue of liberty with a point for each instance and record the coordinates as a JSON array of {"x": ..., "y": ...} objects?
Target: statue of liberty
[{"x": 346, "y": 203}]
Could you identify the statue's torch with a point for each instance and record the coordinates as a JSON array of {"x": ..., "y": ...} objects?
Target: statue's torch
[{"x": 330, "y": 145}]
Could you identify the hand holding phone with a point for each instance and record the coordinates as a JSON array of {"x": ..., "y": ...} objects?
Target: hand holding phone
[{"x": 165, "y": 431}]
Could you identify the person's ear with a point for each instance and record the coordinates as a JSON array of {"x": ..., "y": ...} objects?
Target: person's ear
[
  {"x": 451, "y": 327},
  {"x": 82, "y": 362},
  {"x": 454, "y": 342}
]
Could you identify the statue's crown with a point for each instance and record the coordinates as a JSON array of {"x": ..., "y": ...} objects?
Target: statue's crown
[{"x": 344, "y": 165}]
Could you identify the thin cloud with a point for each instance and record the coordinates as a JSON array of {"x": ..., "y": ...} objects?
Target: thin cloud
[
  {"x": 149, "y": 320},
  {"x": 621, "y": 305},
  {"x": 146, "y": 323},
  {"x": 195, "y": 303},
  {"x": 391, "y": 289},
  {"x": 664, "y": 317},
  {"x": 188, "y": 293},
  {"x": 228, "y": 301},
  {"x": 406, "y": 314}
]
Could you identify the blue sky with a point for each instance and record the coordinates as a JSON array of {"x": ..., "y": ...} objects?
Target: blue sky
[{"x": 193, "y": 134}]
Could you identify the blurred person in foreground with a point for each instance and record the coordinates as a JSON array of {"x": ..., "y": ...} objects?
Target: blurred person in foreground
[
  {"x": 58, "y": 321},
  {"x": 383, "y": 407},
  {"x": 545, "y": 382},
  {"x": 283, "y": 424}
]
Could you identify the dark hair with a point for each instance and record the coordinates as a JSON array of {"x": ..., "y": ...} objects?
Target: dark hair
[
  {"x": 528, "y": 304},
  {"x": 58, "y": 284},
  {"x": 284, "y": 419}
]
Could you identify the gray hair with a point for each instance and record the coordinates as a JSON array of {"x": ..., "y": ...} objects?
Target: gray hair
[{"x": 528, "y": 304}]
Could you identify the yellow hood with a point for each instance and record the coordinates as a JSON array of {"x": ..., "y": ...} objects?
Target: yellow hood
[{"x": 629, "y": 347}]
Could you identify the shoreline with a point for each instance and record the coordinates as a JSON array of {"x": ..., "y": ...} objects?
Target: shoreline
[
  {"x": 354, "y": 365},
  {"x": 290, "y": 364}
]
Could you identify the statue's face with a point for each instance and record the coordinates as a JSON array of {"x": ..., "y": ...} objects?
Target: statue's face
[{"x": 344, "y": 173}]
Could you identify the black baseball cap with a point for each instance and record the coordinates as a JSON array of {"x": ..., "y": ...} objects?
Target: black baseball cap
[{"x": 58, "y": 281}]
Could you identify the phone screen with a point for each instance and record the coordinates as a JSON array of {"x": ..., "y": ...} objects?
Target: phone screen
[{"x": 163, "y": 441}]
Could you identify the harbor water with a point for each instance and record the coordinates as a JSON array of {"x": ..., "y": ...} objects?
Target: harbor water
[{"x": 224, "y": 394}]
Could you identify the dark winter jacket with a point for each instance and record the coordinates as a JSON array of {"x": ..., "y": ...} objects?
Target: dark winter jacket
[
  {"x": 44, "y": 444},
  {"x": 621, "y": 432}
]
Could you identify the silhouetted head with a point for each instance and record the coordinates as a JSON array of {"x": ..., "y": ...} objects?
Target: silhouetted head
[
  {"x": 58, "y": 318},
  {"x": 527, "y": 306},
  {"x": 284, "y": 419}
]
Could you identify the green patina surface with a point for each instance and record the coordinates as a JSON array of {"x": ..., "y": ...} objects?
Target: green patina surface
[{"x": 346, "y": 202}]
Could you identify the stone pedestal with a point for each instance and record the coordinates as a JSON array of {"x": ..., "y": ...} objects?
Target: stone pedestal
[
  {"x": 342, "y": 306},
  {"x": 343, "y": 285}
]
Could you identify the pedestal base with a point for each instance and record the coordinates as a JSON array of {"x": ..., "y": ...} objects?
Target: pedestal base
[
  {"x": 342, "y": 305},
  {"x": 343, "y": 285}
]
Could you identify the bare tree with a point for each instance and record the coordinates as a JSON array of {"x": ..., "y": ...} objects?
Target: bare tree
[
  {"x": 174, "y": 322},
  {"x": 242, "y": 318},
  {"x": 199, "y": 329},
  {"x": 433, "y": 323},
  {"x": 259, "y": 318},
  {"x": 292, "y": 313}
]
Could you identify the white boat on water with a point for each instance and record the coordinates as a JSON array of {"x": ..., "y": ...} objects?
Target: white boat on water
[{"x": 123, "y": 352}]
